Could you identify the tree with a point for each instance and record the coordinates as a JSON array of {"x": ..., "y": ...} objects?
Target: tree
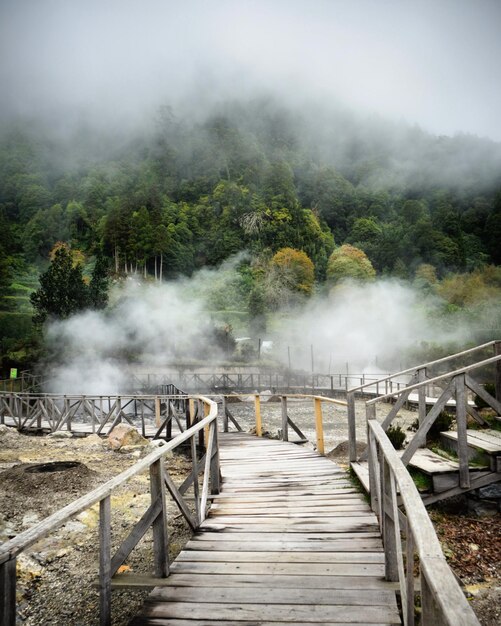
[
  {"x": 62, "y": 290},
  {"x": 98, "y": 287},
  {"x": 294, "y": 269},
  {"x": 348, "y": 262}
]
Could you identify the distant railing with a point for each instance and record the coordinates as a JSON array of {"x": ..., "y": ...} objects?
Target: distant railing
[
  {"x": 203, "y": 423},
  {"x": 286, "y": 421},
  {"x": 442, "y": 600},
  {"x": 421, "y": 382},
  {"x": 55, "y": 412}
]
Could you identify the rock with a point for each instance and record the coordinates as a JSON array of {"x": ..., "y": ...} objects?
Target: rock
[
  {"x": 482, "y": 508},
  {"x": 90, "y": 440},
  {"x": 30, "y": 519},
  {"x": 60, "y": 434},
  {"x": 125, "y": 435},
  {"x": 491, "y": 492}
]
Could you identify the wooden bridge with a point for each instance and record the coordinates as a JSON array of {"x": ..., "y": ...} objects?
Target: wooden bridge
[{"x": 288, "y": 538}]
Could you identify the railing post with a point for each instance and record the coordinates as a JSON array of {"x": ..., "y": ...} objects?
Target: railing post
[
  {"x": 408, "y": 610},
  {"x": 257, "y": 409},
  {"x": 319, "y": 426},
  {"x": 215, "y": 476},
  {"x": 225, "y": 416},
  {"x": 285, "y": 421},
  {"x": 389, "y": 537},
  {"x": 160, "y": 538},
  {"x": 352, "y": 426},
  {"x": 421, "y": 377},
  {"x": 157, "y": 412},
  {"x": 8, "y": 593},
  {"x": 370, "y": 410},
  {"x": 105, "y": 561},
  {"x": 430, "y": 612},
  {"x": 464, "y": 472},
  {"x": 497, "y": 375}
]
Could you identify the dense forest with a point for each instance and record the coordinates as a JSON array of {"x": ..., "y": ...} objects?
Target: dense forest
[{"x": 312, "y": 198}]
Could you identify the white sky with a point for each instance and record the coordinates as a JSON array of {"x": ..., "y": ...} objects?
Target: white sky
[{"x": 436, "y": 63}]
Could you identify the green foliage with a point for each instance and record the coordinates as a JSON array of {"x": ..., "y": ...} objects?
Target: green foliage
[
  {"x": 480, "y": 402},
  {"x": 348, "y": 262},
  {"x": 441, "y": 424},
  {"x": 397, "y": 436},
  {"x": 294, "y": 269},
  {"x": 62, "y": 289}
]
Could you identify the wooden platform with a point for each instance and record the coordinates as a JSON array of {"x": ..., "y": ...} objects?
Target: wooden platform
[{"x": 288, "y": 541}]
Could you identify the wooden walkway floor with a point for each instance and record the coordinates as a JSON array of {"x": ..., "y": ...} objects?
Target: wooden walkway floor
[{"x": 288, "y": 541}]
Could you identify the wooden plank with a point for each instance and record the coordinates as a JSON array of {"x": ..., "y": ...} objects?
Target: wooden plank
[
  {"x": 253, "y": 595},
  {"x": 151, "y": 621},
  {"x": 267, "y": 581},
  {"x": 274, "y": 612},
  {"x": 240, "y": 556},
  {"x": 105, "y": 561},
  {"x": 311, "y": 569},
  {"x": 290, "y": 545}
]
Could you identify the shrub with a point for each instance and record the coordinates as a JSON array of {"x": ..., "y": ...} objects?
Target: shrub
[
  {"x": 480, "y": 402},
  {"x": 397, "y": 436}
]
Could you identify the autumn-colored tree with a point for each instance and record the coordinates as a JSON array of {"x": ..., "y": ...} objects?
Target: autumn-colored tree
[
  {"x": 348, "y": 262},
  {"x": 294, "y": 269}
]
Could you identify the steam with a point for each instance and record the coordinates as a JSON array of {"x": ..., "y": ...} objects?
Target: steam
[{"x": 154, "y": 327}]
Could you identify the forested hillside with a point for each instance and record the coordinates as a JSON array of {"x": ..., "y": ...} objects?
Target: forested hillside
[{"x": 186, "y": 192}]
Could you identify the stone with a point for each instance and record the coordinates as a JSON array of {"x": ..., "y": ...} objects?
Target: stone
[
  {"x": 90, "y": 440},
  {"x": 125, "y": 435},
  {"x": 60, "y": 434},
  {"x": 482, "y": 508},
  {"x": 491, "y": 492}
]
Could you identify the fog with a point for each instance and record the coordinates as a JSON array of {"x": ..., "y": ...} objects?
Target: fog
[
  {"x": 367, "y": 328},
  {"x": 435, "y": 64}
]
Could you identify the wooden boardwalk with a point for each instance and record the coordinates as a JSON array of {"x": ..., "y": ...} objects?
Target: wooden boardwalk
[{"x": 288, "y": 541}]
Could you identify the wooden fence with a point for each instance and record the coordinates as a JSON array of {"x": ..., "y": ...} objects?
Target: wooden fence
[
  {"x": 204, "y": 425},
  {"x": 154, "y": 414},
  {"x": 410, "y": 541},
  {"x": 423, "y": 387},
  {"x": 454, "y": 384}
]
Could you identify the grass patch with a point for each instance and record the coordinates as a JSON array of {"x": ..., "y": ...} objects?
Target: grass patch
[{"x": 422, "y": 481}]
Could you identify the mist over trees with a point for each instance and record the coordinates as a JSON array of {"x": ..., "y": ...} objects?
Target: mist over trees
[{"x": 310, "y": 197}]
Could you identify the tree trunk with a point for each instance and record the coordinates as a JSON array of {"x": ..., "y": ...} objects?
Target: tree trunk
[
  {"x": 161, "y": 265},
  {"x": 156, "y": 277}
]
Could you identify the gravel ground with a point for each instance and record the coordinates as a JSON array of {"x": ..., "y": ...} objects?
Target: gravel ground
[{"x": 57, "y": 575}]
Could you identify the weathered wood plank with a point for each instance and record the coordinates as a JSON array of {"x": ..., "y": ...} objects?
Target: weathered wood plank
[
  {"x": 274, "y": 612},
  {"x": 253, "y": 595}
]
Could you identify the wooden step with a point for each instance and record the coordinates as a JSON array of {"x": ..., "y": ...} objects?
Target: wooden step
[
  {"x": 432, "y": 463},
  {"x": 484, "y": 445}
]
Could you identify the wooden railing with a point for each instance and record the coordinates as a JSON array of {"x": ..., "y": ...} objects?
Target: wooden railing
[
  {"x": 288, "y": 381},
  {"x": 420, "y": 381},
  {"x": 286, "y": 421},
  {"x": 55, "y": 412},
  {"x": 442, "y": 600},
  {"x": 454, "y": 385},
  {"x": 203, "y": 424}
]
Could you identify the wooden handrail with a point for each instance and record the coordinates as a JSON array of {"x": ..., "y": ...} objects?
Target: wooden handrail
[
  {"x": 442, "y": 599},
  {"x": 429, "y": 381},
  {"x": 411, "y": 370}
]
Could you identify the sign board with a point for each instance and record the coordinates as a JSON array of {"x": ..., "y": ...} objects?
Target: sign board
[{"x": 13, "y": 372}]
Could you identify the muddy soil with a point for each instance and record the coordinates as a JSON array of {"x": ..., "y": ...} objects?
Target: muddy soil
[{"x": 57, "y": 576}]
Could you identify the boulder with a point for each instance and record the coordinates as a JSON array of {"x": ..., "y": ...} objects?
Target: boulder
[{"x": 125, "y": 435}]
